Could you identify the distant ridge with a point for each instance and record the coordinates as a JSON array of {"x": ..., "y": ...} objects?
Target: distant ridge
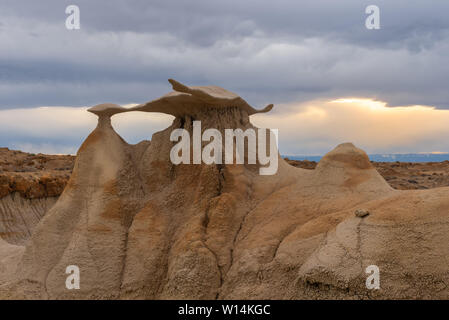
[{"x": 389, "y": 157}]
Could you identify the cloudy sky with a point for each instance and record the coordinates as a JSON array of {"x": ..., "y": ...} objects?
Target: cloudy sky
[{"x": 331, "y": 79}]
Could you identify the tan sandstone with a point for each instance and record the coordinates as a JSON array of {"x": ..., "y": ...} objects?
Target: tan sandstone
[{"x": 140, "y": 227}]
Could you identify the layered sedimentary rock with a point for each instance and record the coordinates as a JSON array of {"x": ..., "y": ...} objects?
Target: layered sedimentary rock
[
  {"x": 29, "y": 185},
  {"x": 139, "y": 226}
]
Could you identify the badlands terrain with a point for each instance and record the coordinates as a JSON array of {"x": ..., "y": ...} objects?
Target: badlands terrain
[
  {"x": 140, "y": 227},
  {"x": 31, "y": 183},
  {"x": 402, "y": 175}
]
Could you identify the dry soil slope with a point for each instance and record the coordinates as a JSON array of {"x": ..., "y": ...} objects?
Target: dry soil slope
[{"x": 29, "y": 185}]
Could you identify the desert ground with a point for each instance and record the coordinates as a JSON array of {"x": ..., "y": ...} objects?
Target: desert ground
[
  {"x": 41, "y": 175},
  {"x": 33, "y": 175},
  {"x": 402, "y": 175}
]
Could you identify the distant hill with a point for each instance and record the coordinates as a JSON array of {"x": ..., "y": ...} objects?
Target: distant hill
[{"x": 391, "y": 157}]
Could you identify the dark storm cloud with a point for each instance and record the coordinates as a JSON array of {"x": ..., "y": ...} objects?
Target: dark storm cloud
[
  {"x": 267, "y": 51},
  {"x": 203, "y": 22}
]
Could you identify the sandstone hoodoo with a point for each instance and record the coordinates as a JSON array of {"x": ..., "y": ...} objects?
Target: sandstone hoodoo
[
  {"x": 139, "y": 226},
  {"x": 196, "y": 100}
]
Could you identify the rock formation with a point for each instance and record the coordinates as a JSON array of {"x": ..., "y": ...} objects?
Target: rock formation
[
  {"x": 140, "y": 227},
  {"x": 29, "y": 185}
]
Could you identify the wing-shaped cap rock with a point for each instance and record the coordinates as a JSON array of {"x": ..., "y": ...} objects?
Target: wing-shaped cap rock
[
  {"x": 193, "y": 99},
  {"x": 107, "y": 109}
]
